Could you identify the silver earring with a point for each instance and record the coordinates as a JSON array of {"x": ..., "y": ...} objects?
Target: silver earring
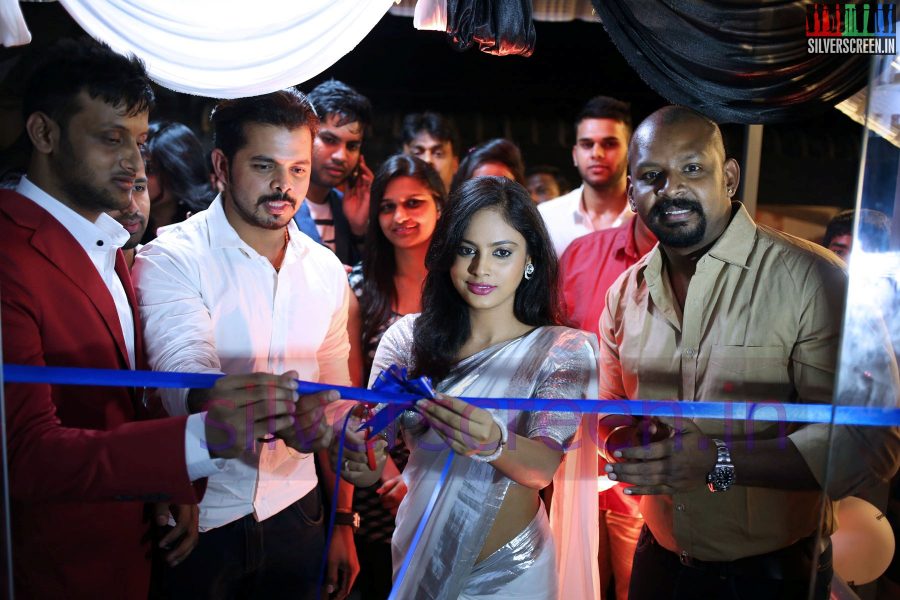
[{"x": 529, "y": 271}]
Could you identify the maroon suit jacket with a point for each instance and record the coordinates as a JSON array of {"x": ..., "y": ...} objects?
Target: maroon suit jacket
[{"x": 82, "y": 460}]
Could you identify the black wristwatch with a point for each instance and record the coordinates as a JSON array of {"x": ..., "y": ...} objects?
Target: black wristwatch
[
  {"x": 722, "y": 476},
  {"x": 347, "y": 518}
]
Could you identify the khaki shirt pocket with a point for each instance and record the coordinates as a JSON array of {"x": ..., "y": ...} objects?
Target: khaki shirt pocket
[{"x": 749, "y": 373}]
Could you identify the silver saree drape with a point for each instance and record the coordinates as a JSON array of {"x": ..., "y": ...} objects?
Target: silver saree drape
[{"x": 549, "y": 362}]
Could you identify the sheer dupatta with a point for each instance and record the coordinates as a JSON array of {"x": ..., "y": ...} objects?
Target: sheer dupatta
[{"x": 549, "y": 362}]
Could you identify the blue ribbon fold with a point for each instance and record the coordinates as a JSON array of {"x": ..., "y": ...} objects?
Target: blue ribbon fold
[{"x": 395, "y": 382}]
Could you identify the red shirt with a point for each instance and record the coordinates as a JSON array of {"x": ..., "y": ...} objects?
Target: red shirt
[{"x": 587, "y": 268}]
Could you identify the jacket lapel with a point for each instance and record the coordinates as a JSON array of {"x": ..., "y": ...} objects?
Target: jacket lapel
[
  {"x": 125, "y": 277},
  {"x": 62, "y": 250}
]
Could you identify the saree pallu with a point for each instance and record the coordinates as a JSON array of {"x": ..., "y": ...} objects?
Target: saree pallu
[{"x": 548, "y": 362}]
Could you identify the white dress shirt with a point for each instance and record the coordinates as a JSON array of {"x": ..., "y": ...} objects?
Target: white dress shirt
[
  {"x": 567, "y": 219},
  {"x": 210, "y": 303},
  {"x": 100, "y": 240}
]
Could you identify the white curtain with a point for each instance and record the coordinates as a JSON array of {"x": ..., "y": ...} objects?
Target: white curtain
[{"x": 230, "y": 48}]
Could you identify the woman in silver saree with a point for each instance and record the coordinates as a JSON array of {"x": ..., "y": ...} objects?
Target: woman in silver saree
[{"x": 488, "y": 328}]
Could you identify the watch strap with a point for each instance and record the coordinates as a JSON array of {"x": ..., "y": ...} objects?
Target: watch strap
[{"x": 351, "y": 519}]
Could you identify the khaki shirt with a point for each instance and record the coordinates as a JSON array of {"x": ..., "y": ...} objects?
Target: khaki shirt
[{"x": 761, "y": 322}]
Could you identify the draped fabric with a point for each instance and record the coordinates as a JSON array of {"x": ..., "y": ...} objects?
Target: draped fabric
[
  {"x": 743, "y": 61},
  {"x": 498, "y": 27},
  {"x": 230, "y": 48},
  {"x": 13, "y": 31}
]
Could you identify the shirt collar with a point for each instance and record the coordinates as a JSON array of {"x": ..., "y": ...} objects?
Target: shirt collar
[
  {"x": 223, "y": 235},
  {"x": 625, "y": 241},
  {"x": 581, "y": 214},
  {"x": 103, "y": 234},
  {"x": 733, "y": 246}
]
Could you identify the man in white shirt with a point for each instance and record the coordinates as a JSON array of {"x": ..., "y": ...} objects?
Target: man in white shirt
[
  {"x": 600, "y": 154},
  {"x": 237, "y": 288},
  {"x": 83, "y": 460}
]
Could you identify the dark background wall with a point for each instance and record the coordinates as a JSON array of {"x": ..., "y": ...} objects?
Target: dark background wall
[{"x": 530, "y": 100}]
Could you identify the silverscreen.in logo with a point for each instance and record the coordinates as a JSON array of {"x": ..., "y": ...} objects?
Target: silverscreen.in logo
[{"x": 862, "y": 28}]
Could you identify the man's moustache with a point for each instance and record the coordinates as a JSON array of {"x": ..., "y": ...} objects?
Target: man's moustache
[{"x": 276, "y": 198}]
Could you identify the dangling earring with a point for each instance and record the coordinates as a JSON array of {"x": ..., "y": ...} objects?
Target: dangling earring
[{"x": 529, "y": 271}]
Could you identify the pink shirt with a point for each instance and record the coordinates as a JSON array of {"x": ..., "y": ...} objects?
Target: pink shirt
[{"x": 588, "y": 267}]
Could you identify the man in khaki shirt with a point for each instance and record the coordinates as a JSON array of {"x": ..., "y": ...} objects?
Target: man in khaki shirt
[{"x": 724, "y": 309}]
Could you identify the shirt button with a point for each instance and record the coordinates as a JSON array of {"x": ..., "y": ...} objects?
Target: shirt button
[
  {"x": 690, "y": 352},
  {"x": 99, "y": 242},
  {"x": 679, "y": 507},
  {"x": 684, "y": 557}
]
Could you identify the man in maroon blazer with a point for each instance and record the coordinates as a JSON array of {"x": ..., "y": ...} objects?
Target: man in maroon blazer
[{"x": 83, "y": 460}]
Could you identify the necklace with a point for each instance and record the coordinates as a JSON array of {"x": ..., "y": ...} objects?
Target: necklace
[{"x": 280, "y": 260}]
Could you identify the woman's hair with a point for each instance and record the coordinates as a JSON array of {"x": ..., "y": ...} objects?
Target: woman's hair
[
  {"x": 175, "y": 155},
  {"x": 498, "y": 150},
  {"x": 378, "y": 291},
  {"x": 444, "y": 325}
]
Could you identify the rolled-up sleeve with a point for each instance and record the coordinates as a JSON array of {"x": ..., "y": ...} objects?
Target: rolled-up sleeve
[{"x": 333, "y": 355}]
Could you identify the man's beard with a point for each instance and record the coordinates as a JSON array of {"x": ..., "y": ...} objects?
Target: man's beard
[
  {"x": 71, "y": 172},
  {"x": 263, "y": 219},
  {"x": 136, "y": 237},
  {"x": 678, "y": 235}
]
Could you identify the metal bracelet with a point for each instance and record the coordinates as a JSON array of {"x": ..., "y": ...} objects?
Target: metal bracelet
[{"x": 504, "y": 436}]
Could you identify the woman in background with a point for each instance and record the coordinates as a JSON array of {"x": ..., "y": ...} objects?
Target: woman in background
[
  {"x": 488, "y": 328},
  {"x": 177, "y": 175},
  {"x": 406, "y": 199},
  {"x": 498, "y": 157}
]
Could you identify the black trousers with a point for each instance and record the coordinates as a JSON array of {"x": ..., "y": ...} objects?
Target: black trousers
[
  {"x": 280, "y": 557},
  {"x": 659, "y": 574},
  {"x": 375, "y": 569}
]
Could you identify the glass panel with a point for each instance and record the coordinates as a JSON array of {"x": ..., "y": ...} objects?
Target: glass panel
[
  {"x": 867, "y": 373},
  {"x": 5, "y": 538}
]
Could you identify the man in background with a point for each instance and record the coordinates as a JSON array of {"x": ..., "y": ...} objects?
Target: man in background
[
  {"x": 337, "y": 219},
  {"x": 134, "y": 218},
  {"x": 602, "y": 131},
  {"x": 544, "y": 183},
  {"x": 435, "y": 139},
  {"x": 587, "y": 268},
  {"x": 874, "y": 228}
]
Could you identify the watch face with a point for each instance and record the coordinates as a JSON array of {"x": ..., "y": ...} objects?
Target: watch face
[{"x": 721, "y": 478}]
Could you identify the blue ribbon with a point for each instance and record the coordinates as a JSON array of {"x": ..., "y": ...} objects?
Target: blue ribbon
[
  {"x": 394, "y": 388},
  {"x": 395, "y": 382},
  {"x": 402, "y": 397}
]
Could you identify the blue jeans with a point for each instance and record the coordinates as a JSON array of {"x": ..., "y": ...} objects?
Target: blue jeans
[
  {"x": 659, "y": 574},
  {"x": 278, "y": 558}
]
